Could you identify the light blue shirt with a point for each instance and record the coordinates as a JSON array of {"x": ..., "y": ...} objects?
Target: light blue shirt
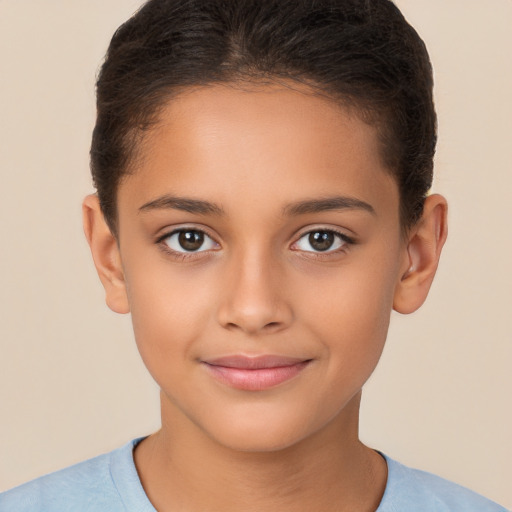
[{"x": 110, "y": 483}]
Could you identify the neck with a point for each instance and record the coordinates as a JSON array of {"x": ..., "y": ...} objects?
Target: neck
[{"x": 181, "y": 468}]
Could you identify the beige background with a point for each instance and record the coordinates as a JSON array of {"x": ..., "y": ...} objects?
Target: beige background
[{"x": 71, "y": 383}]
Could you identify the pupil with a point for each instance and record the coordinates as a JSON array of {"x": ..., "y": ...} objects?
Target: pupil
[
  {"x": 191, "y": 240},
  {"x": 321, "y": 240}
]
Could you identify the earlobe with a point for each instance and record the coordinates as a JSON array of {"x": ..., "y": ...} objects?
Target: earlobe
[
  {"x": 423, "y": 250},
  {"x": 105, "y": 253}
]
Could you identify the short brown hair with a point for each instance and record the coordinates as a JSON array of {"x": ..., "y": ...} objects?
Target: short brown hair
[{"x": 361, "y": 52}]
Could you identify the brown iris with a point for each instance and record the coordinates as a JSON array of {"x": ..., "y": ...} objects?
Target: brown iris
[
  {"x": 191, "y": 240},
  {"x": 321, "y": 240}
]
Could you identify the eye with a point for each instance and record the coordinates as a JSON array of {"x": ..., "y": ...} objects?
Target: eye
[
  {"x": 189, "y": 240},
  {"x": 322, "y": 240}
]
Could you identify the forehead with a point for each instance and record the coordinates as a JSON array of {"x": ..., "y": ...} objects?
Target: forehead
[{"x": 263, "y": 141}]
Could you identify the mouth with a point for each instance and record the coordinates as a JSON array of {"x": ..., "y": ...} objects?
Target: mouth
[{"x": 255, "y": 373}]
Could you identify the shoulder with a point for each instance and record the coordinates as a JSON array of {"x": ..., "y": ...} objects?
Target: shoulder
[
  {"x": 92, "y": 485},
  {"x": 411, "y": 489}
]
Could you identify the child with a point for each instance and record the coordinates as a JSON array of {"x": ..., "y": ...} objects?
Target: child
[{"x": 262, "y": 173}]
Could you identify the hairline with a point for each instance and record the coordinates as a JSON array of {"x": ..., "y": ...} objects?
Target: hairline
[{"x": 365, "y": 110}]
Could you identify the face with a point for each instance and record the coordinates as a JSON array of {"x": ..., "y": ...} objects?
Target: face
[{"x": 260, "y": 246}]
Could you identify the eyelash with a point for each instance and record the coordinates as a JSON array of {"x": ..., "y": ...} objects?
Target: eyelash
[
  {"x": 178, "y": 255},
  {"x": 344, "y": 238},
  {"x": 186, "y": 256}
]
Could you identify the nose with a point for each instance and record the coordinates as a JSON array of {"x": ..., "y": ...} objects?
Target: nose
[{"x": 254, "y": 299}]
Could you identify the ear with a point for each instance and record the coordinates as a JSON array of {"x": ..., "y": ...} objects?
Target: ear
[
  {"x": 105, "y": 253},
  {"x": 424, "y": 244}
]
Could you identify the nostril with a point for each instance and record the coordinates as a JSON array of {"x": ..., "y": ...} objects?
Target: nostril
[{"x": 253, "y": 313}]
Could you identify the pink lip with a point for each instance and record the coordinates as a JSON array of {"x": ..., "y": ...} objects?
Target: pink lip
[{"x": 255, "y": 373}]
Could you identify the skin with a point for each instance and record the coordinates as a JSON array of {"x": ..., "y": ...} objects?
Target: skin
[{"x": 260, "y": 287}]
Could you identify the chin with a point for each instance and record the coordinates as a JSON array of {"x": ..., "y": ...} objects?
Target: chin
[
  {"x": 262, "y": 441},
  {"x": 260, "y": 433}
]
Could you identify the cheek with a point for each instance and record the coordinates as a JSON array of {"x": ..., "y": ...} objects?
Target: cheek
[
  {"x": 349, "y": 312},
  {"x": 170, "y": 311}
]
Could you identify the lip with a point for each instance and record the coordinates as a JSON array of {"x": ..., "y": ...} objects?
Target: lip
[{"x": 255, "y": 373}]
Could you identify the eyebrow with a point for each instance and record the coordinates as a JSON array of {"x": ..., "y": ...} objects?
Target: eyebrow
[
  {"x": 327, "y": 204},
  {"x": 185, "y": 204},
  {"x": 201, "y": 207}
]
